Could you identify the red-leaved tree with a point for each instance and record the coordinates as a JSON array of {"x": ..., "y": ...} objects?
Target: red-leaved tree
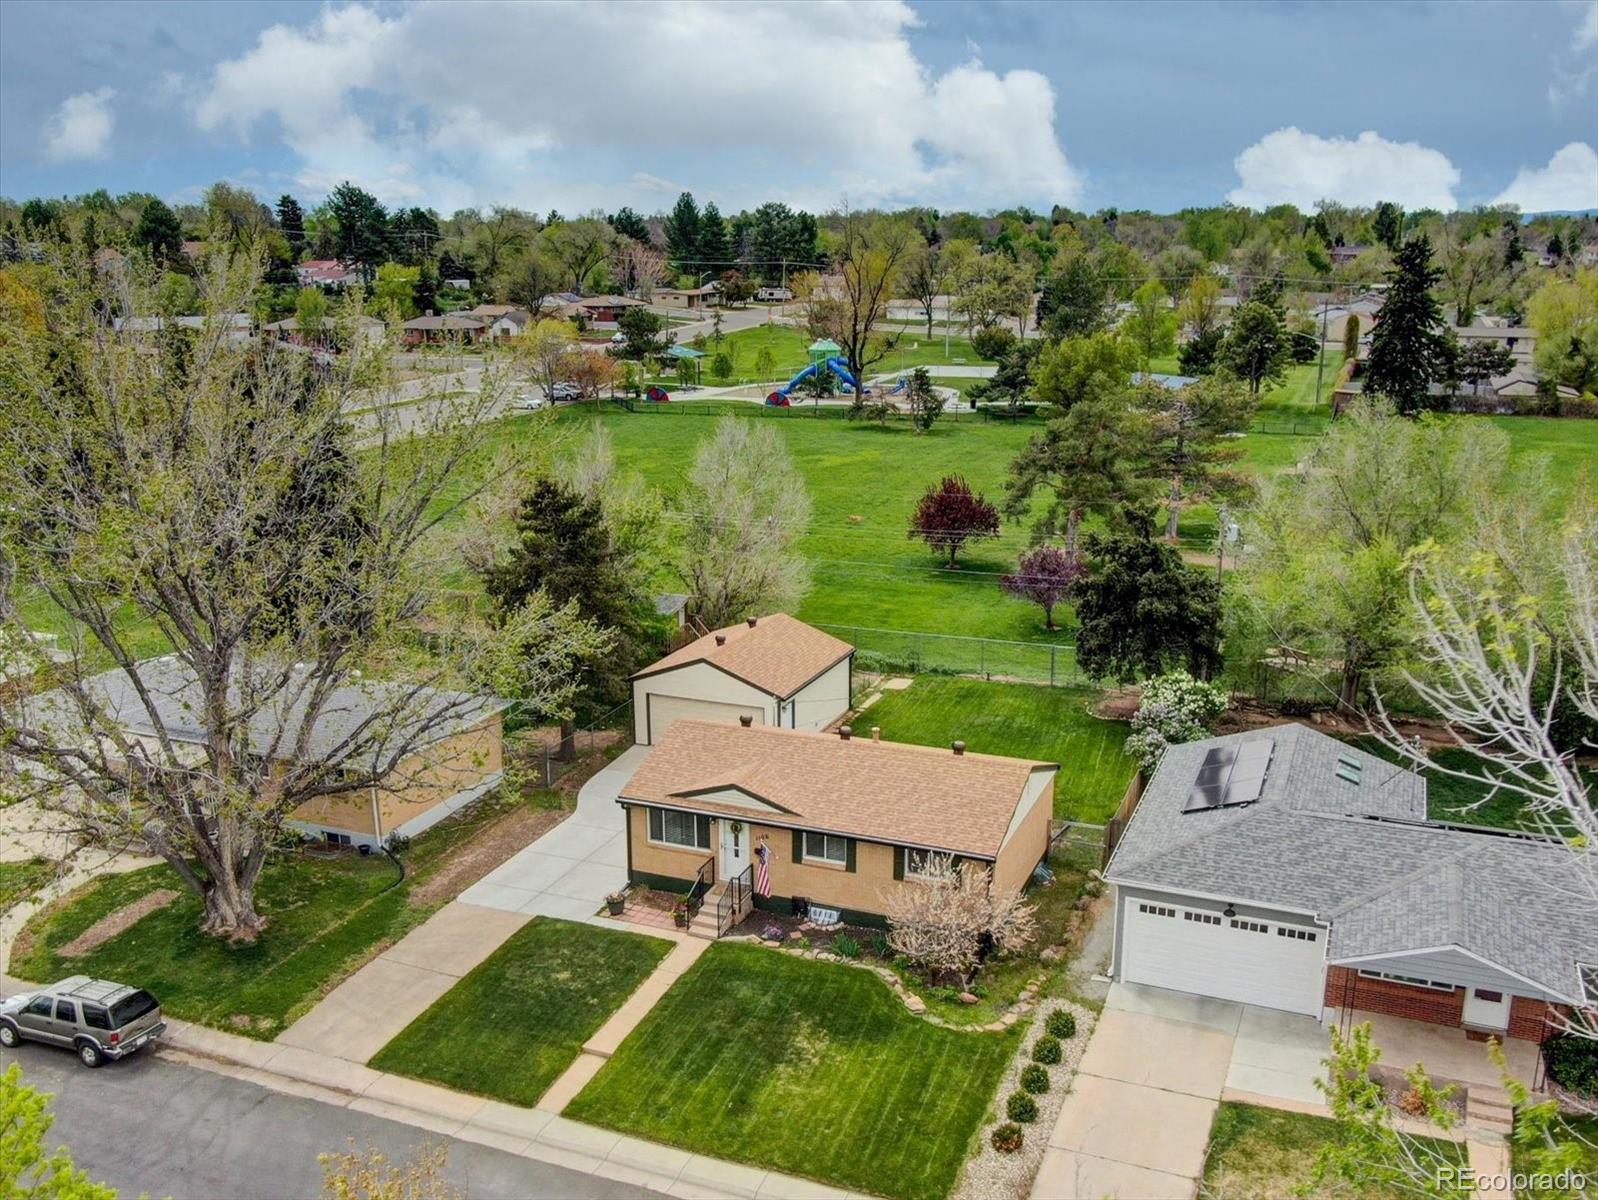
[
  {"x": 1043, "y": 575},
  {"x": 950, "y": 515}
]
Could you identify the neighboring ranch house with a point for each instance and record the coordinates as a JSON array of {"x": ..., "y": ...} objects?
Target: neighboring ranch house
[
  {"x": 846, "y": 821},
  {"x": 692, "y": 298},
  {"x": 456, "y": 760},
  {"x": 450, "y": 327},
  {"x": 502, "y": 320},
  {"x": 1285, "y": 869},
  {"x": 774, "y": 670}
]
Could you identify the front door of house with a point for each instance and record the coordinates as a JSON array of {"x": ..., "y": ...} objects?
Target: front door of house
[
  {"x": 1486, "y": 1009},
  {"x": 734, "y": 848}
]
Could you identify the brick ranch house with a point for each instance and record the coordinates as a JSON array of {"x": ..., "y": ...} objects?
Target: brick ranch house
[
  {"x": 775, "y": 670},
  {"x": 846, "y": 820},
  {"x": 458, "y": 759},
  {"x": 1285, "y": 869}
]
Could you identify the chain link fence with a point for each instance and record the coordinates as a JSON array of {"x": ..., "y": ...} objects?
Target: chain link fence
[{"x": 904, "y": 652}]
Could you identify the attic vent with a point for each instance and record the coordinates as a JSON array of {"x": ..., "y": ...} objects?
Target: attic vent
[
  {"x": 1231, "y": 776},
  {"x": 1350, "y": 769}
]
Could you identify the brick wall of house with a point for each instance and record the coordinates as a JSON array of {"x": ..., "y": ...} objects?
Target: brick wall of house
[
  {"x": 1346, "y": 988},
  {"x": 1528, "y": 1018}
]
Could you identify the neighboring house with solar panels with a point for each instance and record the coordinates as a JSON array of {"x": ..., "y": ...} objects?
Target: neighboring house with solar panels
[{"x": 1285, "y": 869}]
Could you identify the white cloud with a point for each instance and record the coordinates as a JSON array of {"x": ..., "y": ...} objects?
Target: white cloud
[
  {"x": 1569, "y": 181},
  {"x": 1569, "y": 83},
  {"x": 556, "y": 104},
  {"x": 1290, "y": 166},
  {"x": 81, "y": 127}
]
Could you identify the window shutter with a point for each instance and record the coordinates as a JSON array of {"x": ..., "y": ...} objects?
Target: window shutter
[
  {"x": 656, "y": 821},
  {"x": 798, "y": 846},
  {"x": 848, "y": 855},
  {"x": 898, "y": 862},
  {"x": 703, "y": 830}
]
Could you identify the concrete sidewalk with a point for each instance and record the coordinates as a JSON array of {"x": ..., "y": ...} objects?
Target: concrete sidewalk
[
  {"x": 533, "y": 1133},
  {"x": 369, "y": 1009}
]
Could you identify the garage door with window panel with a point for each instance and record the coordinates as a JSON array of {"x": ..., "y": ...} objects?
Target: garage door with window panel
[
  {"x": 664, "y": 710},
  {"x": 1247, "y": 959}
]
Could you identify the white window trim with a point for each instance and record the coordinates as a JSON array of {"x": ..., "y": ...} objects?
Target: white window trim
[
  {"x": 823, "y": 860},
  {"x": 693, "y": 848},
  {"x": 1430, "y": 985}
]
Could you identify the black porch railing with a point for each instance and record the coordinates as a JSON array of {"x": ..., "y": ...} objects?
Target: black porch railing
[
  {"x": 739, "y": 888},
  {"x": 694, "y": 899}
]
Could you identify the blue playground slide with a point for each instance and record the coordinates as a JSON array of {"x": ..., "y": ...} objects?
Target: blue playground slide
[{"x": 836, "y": 365}]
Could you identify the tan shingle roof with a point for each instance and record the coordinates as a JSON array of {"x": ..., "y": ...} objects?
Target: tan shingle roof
[
  {"x": 778, "y": 654},
  {"x": 882, "y": 791}
]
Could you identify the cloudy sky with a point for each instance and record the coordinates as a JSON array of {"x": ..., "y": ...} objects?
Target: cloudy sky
[{"x": 958, "y": 105}]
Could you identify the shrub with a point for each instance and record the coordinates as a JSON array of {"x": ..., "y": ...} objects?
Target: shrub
[
  {"x": 1035, "y": 1078},
  {"x": 880, "y": 947},
  {"x": 1007, "y": 1138},
  {"x": 846, "y": 946},
  {"x": 1061, "y": 1024},
  {"x": 1175, "y": 708},
  {"x": 1021, "y": 1107},
  {"x": 1572, "y": 1063},
  {"x": 1047, "y": 1050},
  {"x": 993, "y": 343}
]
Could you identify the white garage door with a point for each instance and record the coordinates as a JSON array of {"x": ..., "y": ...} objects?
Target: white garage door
[
  {"x": 1267, "y": 963},
  {"x": 663, "y": 710}
]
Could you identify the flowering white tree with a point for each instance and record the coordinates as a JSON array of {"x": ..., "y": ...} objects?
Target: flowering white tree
[
  {"x": 1175, "y": 708},
  {"x": 939, "y": 922}
]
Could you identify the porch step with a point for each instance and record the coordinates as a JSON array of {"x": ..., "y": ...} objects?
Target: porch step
[{"x": 1489, "y": 1108}]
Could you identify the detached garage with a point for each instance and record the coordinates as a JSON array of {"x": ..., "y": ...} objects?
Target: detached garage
[{"x": 772, "y": 670}]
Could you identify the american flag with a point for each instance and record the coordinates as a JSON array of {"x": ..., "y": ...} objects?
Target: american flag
[{"x": 762, "y": 874}]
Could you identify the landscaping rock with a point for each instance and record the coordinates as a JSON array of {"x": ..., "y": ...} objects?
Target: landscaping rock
[
  {"x": 967, "y": 998},
  {"x": 1008, "y": 1020},
  {"x": 915, "y": 1004},
  {"x": 794, "y": 935},
  {"x": 769, "y": 942},
  {"x": 1052, "y": 954}
]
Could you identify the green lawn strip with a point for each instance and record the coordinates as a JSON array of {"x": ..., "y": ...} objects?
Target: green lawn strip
[
  {"x": 1265, "y": 1153},
  {"x": 805, "y": 1067},
  {"x": 1022, "y": 720},
  {"x": 19, "y": 880},
  {"x": 1582, "y": 1134},
  {"x": 511, "y": 1026}
]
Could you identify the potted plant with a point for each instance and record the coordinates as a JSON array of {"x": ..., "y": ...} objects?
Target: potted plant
[
  {"x": 679, "y": 914},
  {"x": 616, "y": 901}
]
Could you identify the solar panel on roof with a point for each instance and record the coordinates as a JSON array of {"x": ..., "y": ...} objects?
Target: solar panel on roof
[{"x": 1231, "y": 776}]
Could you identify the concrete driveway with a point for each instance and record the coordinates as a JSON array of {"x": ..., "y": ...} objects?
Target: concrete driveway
[
  {"x": 568, "y": 872},
  {"x": 1137, "y": 1122}
]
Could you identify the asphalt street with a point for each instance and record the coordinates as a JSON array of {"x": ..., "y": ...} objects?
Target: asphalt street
[{"x": 154, "y": 1127}]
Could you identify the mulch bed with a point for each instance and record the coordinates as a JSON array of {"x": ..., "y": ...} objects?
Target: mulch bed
[
  {"x": 1395, "y": 1085},
  {"x": 489, "y": 848},
  {"x": 108, "y": 927}
]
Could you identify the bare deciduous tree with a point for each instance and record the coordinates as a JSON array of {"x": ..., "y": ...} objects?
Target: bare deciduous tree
[
  {"x": 873, "y": 253},
  {"x": 213, "y": 500},
  {"x": 743, "y": 512}
]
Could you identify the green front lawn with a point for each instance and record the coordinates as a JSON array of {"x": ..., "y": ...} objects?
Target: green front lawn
[
  {"x": 1581, "y": 1134},
  {"x": 1022, "y": 720},
  {"x": 327, "y": 915},
  {"x": 1265, "y": 1153},
  {"x": 805, "y": 1067},
  {"x": 19, "y": 880},
  {"x": 515, "y": 1023}
]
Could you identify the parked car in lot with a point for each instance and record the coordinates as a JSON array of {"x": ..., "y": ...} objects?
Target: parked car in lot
[
  {"x": 95, "y": 1018},
  {"x": 565, "y": 391},
  {"x": 529, "y": 402}
]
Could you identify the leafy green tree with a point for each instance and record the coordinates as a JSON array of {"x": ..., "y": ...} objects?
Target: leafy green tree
[
  {"x": 27, "y": 1171},
  {"x": 581, "y": 246},
  {"x": 1351, "y": 332},
  {"x": 1074, "y": 300},
  {"x": 642, "y": 331},
  {"x": 923, "y": 400},
  {"x": 1564, "y": 314},
  {"x": 1326, "y": 548},
  {"x": 993, "y": 342},
  {"x": 629, "y": 224},
  {"x": 1094, "y": 459},
  {"x": 1151, "y": 325},
  {"x": 540, "y": 656},
  {"x": 362, "y": 237},
  {"x": 1387, "y": 224},
  {"x": 682, "y": 232},
  {"x": 1082, "y": 368},
  {"x": 1200, "y": 310},
  {"x": 160, "y": 232},
  {"x": 414, "y": 233},
  {"x": 1409, "y": 351},
  {"x": 531, "y": 278},
  {"x": 1012, "y": 380},
  {"x": 1200, "y": 353},
  {"x": 1195, "y": 440},
  {"x": 1141, "y": 610},
  {"x": 765, "y": 363},
  {"x": 1483, "y": 359},
  {"x": 1256, "y": 347},
  {"x": 310, "y": 311},
  {"x": 394, "y": 290},
  {"x": 721, "y": 366}
]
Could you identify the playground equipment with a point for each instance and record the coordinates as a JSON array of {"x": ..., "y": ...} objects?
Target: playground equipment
[
  {"x": 825, "y": 355},
  {"x": 778, "y": 400},
  {"x": 657, "y": 394}
]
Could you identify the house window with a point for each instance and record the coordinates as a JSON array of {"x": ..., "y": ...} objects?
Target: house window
[
  {"x": 1407, "y": 980},
  {"x": 1589, "y": 981},
  {"x": 1156, "y": 910},
  {"x": 918, "y": 864},
  {"x": 1201, "y": 918},
  {"x": 336, "y": 839},
  {"x": 1292, "y": 931},
  {"x": 1250, "y": 926},
  {"x": 671, "y": 828},
  {"x": 824, "y": 847}
]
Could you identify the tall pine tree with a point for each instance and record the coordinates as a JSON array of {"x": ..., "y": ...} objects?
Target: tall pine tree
[
  {"x": 714, "y": 248},
  {"x": 682, "y": 231},
  {"x": 291, "y": 220},
  {"x": 1409, "y": 350}
]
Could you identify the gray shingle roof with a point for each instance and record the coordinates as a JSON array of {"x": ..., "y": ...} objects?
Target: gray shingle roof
[{"x": 1363, "y": 858}]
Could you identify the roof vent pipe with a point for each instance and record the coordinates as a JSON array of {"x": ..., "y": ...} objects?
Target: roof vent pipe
[
  {"x": 876, "y": 733},
  {"x": 959, "y": 747},
  {"x": 721, "y": 639},
  {"x": 844, "y": 731},
  {"x": 752, "y": 621},
  {"x": 746, "y": 720}
]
